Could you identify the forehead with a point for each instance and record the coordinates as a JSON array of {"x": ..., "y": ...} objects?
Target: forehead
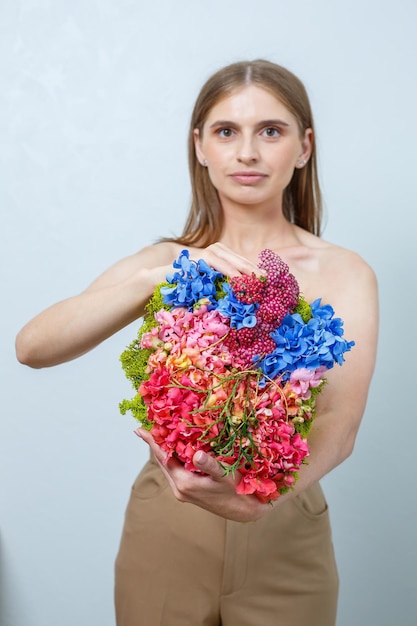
[{"x": 248, "y": 103}]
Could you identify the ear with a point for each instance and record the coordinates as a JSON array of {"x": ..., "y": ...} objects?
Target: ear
[
  {"x": 306, "y": 148},
  {"x": 198, "y": 148}
]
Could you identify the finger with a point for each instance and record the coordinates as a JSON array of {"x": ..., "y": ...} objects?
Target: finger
[
  {"x": 223, "y": 265},
  {"x": 168, "y": 465},
  {"x": 201, "y": 460},
  {"x": 225, "y": 260},
  {"x": 238, "y": 264},
  {"x": 207, "y": 464},
  {"x": 159, "y": 454},
  {"x": 144, "y": 434}
]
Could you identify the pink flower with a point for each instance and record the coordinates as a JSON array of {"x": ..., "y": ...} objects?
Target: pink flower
[
  {"x": 302, "y": 380},
  {"x": 263, "y": 487}
]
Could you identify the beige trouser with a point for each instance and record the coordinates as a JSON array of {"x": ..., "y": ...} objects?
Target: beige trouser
[{"x": 179, "y": 565}]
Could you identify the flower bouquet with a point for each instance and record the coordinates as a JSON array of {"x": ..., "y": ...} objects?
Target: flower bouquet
[{"x": 233, "y": 367}]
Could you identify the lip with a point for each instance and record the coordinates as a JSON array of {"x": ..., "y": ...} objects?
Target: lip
[{"x": 248, "y": 177}]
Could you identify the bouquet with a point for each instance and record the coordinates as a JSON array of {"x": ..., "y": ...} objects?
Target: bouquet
[{"x": 233, "y": 367}]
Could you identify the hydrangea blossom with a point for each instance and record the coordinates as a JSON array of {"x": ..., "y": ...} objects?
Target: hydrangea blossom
[
  {"x": 312, "y": 344},
  {"x": 194, "y": 281},
  {"x": 241, "y": 315}
]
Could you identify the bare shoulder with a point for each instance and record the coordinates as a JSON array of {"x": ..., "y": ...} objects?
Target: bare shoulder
[
  {"x": 343, "y": 279},
  {"x": 149, "y": 257},
  {"x": 329, "y": 270},
  {"x": 335, "y": 259},
  {"x": 162, "y": 253},
  {"x": 347, "y": 267}
]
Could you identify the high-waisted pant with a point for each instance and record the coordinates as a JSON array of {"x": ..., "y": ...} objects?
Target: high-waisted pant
[{"x": 179, "y": 565}]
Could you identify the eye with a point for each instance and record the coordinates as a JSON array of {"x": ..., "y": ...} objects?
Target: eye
[
  {"x": 225, "y": 133},
  {"x": 271, "y": 132}
]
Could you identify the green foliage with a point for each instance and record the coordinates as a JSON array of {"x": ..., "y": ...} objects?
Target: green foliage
[
  {"x": 220, "y": 292},
  {"x": 134, "y": 359},
  {"x": 154, "y": 305},
  {"x": 303, "y": 309},
  {"x": 305, "y": 427},
  {"x": 138, "y": 410},
  {"x": 284, "y": 489}
]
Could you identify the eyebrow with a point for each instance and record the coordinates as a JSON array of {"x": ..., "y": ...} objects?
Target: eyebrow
[{"x": 276, "y": 122}]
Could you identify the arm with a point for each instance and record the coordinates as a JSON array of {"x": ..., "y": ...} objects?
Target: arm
[
  {"x": 76, "y": 325},
  {"x": 341, "y": 405},
  {"x": 339, "y": 408}
]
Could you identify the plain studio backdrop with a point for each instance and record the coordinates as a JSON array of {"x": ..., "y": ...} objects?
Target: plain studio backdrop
[{"x": 95, "y": 98}]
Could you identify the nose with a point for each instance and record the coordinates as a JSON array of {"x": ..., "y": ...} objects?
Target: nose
[{"x": 247, "y": 150}]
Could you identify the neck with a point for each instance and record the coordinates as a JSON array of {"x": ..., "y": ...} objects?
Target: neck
[{"x": 249, "y": 230}]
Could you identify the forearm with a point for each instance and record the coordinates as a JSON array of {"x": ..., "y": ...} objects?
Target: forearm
[
  {"x": 74, "y": 326},
  {"x": 330, "y": 444}
]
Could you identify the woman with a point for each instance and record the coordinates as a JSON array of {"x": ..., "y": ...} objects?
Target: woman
[{"x": 185, "y": 556}]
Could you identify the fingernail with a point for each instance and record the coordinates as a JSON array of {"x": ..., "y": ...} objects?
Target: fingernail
[
  {"x": 200, "y": 457},
  {"x": 138, "y": 433}
]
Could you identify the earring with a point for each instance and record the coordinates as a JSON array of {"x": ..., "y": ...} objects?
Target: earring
[
  {"x": 300, "y": 163},
  {"x": 204, "y": 163}
]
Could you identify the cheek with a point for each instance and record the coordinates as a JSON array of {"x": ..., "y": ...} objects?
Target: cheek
[
  {"x": 287, "y": 155},
  {"x": 215, "y": 178},
  {"x": 284, "y": 165},
  {"x": 219, "y": 163},
  {"x": 218, "y": 155}
]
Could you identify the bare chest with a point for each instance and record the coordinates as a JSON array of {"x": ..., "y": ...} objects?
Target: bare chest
[{"x": 315, "y": 278}]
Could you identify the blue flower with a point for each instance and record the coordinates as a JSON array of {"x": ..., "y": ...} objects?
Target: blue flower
[
  {"x": 194, "y": 280},
  {"x": 311, "y": 345},
  {"x": 241, "y": 315}
]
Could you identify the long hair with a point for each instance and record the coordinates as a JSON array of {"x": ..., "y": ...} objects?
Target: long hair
[{"x": 301, "y": 198}]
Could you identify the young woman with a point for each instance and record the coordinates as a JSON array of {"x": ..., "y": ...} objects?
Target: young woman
[{"x": 185, "y": 556}]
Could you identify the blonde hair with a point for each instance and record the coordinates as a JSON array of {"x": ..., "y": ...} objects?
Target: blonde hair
[{"x": 302, "y": 197}]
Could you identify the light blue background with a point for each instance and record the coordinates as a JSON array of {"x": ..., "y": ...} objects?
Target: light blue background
[{"x": 95, "y": 98}]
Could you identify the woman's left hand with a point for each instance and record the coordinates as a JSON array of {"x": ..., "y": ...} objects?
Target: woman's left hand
[{"x": 212, "y": 490}]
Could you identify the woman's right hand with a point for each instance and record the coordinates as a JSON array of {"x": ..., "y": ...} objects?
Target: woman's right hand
[{"x": 225, "y": 260}]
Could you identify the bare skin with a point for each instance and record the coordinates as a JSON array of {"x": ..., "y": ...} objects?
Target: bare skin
[{"x": 253, "y": 221}]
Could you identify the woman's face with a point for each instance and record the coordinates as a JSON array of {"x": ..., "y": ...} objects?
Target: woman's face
[{"x": 251, "y": 144}]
